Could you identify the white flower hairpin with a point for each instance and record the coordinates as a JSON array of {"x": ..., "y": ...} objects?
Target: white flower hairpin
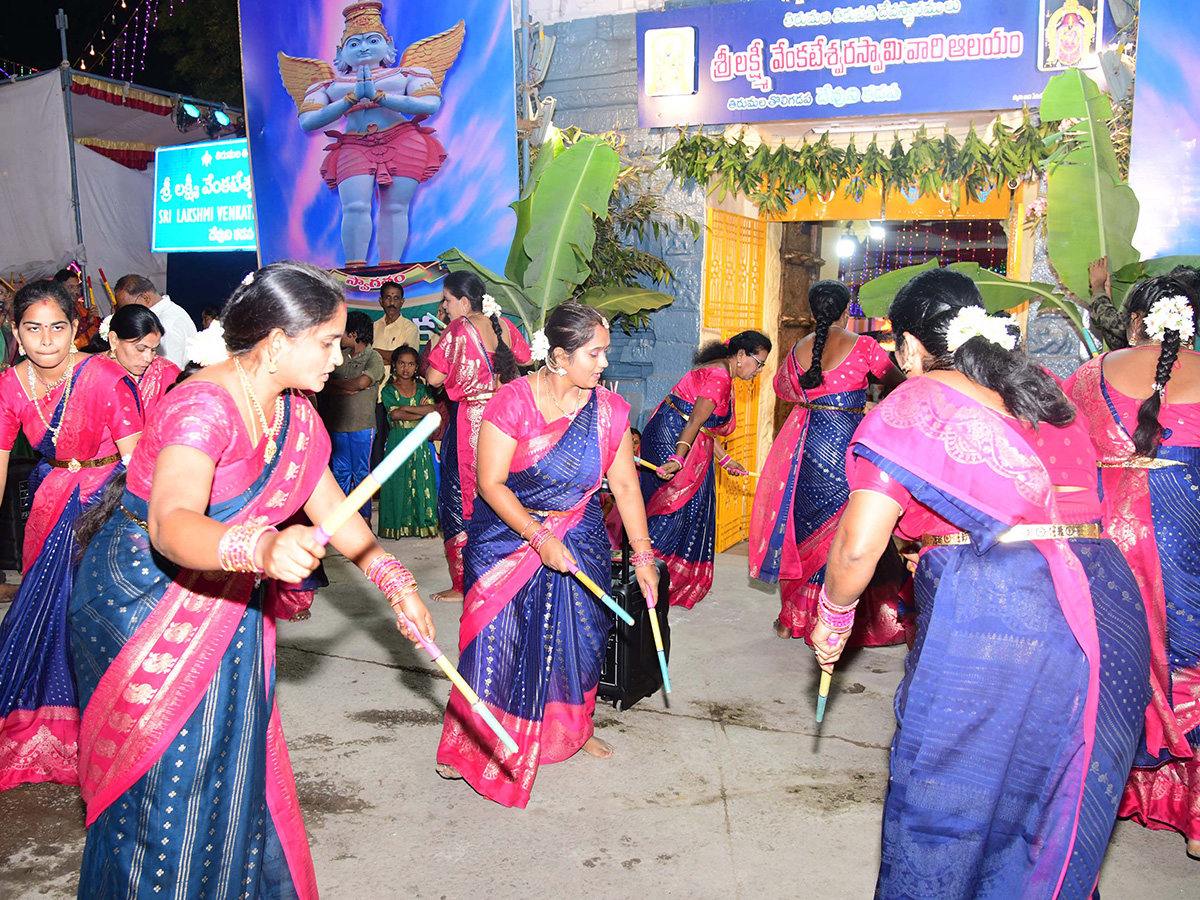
[
  {"x": 973, "y": 321},
  {"x": 105, "y": 327},
  {"x": 491, "y": 308},
  {"x": 539, "y": 346},
  {"x": 1172, "y": 313},
  {"x": 248, "y": 280},
  {"x": 208, "y": 348}
]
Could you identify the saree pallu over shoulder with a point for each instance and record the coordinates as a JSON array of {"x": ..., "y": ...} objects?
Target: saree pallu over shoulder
[
  {"x": 977, "y": 471},
  {"x": 531, "y": 641},
  {"x": 180, "y": 627}
]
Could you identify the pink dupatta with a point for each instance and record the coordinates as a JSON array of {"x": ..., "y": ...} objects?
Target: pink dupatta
[{"x": 161, "y": 674}]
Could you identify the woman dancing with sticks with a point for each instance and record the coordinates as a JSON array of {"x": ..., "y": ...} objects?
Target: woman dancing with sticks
[
  {"x": 185, "y": 771},
  {"x": 680, "y": 438},
  {"x": 532, "y": 638},
  {"x": 1024, "y": 693},
  {"x": 803, "y": 490}
]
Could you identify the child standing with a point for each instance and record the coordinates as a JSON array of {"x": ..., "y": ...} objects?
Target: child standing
[{"x": 408, "y": 501}]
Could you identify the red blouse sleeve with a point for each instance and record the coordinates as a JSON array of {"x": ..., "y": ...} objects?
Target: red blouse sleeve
[
  {"x": 878, "y": 360},
  {"x": 124, "y": 410},
  {"x": 512, "y": 409},
  {"x": 520, "y": 347},
  {"x": 196, "y": 414},
  {"x": 10, "y": 422},
  {"x": 864, "y": 475}
]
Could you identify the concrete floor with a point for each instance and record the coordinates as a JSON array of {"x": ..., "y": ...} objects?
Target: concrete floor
[{"x": 728, "y": 792}]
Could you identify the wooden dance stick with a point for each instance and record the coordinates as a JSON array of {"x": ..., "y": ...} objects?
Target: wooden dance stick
[
  {"x": 107, "y": 289},
  {"x": 350, "y": 506},
  {"x": 374, "y": 481},
  {"x": 600, "y": 594}
]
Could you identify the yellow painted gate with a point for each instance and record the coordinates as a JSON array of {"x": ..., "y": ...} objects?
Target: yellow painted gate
[{"x": 735, "y": 252}]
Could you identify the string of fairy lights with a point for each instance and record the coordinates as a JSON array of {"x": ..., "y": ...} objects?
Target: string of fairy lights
[{"x": 125, "y": 51}]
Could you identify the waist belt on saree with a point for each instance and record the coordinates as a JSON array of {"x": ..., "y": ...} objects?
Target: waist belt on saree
[
  {"x": 1019, "y": 533},
  {"x": 708, "y": 431},
  {"x": 136, "y": 520},
  {"x": 484, "y": 396},
  {"x": 74, "y": 465},
  {"x": 861, "y": 410},
  {"x": 1141, "y": 462}
]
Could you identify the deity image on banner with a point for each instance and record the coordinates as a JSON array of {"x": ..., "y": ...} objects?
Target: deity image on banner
[
  {"x": 385, "y": 151},
  {"x": 1070, "y": 31}
]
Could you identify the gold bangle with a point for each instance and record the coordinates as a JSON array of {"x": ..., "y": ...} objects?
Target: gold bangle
[
  {"x": 639, "y": 540},
  {"x": 526, "y": 528}
]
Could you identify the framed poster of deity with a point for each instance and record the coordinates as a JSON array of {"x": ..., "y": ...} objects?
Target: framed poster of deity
[{"x": 382, "y": 132}]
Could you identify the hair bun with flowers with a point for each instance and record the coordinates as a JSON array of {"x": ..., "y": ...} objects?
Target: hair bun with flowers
[
  {"x": 974, "y": 321},
  {"x": 491, "y": 308},
  {"x": 208, "y": 348},
  {"x": 539, "y": 346},
  {"x": 105, "y": 327},
  {"x": 1172, "y": 313}
]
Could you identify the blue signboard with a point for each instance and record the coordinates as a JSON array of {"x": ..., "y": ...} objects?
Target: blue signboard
[
  {"x": 202, "y": 197},
  {"x": 769, "y": 61}
]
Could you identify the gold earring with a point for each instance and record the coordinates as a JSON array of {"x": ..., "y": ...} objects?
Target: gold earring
[{"x": 272, "y": 367}]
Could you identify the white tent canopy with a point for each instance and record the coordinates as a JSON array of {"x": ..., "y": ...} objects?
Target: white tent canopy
[{"x": 37, "y": 218}]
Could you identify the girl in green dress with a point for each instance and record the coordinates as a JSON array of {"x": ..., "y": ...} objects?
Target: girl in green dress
[{"x": 408, "y": 503}]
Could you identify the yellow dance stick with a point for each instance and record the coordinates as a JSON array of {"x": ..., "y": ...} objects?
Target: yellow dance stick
[
  {"x": 658, "y": 643},
  {"x": 648, "y": 466},
  {"x": 477, "y": 705},
  {"x": 601, "y": 595},
  {"x": 381, "y": 473},
  {"x": 823, "y": 694}
]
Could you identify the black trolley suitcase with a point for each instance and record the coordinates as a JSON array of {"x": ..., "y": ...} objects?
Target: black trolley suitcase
[
  {"x": 14, "y": 512},
  {"x": 631, "y": 670}
]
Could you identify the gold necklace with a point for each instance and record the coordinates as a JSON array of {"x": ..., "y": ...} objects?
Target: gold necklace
[
  {"x": 269, "y": 432},
  {"x": 554, "y": 400},
  {"x": 53, "y": 429}
]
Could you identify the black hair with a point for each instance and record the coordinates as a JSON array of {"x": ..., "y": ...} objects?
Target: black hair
[
  {"x": 406, "y": 350},
  {"x": 359, "y": 324},
  {"x": 213, "y": 312},
  {"x": 63, "y": 275},
  {"x": 135, "y": 285},
  {"x": 387, "y": 284},
  {"x": 1141, "y": 299},
  {"x": 133, "y": 322},
  {"x": 827, "y": 300},
  {"x": 97, "y": 345},
  {"x": 927, "y": 305},
  {"x": 468, "y": 284},
  {"x": 289, "y": 295},
  {"x": 749, "y": 341},
  {"x": 36, "y": 292},
  {"x": 570, "y": 326},
  {"x": 1189, "y": 277},
  {"x": 635, "y": 431},
  {"x": 93, "y": 516}
]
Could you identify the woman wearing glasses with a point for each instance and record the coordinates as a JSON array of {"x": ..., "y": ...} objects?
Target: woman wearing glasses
[{"x": 680, "y": 439}]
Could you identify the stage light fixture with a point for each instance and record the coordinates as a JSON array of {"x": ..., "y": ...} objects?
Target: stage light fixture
[
  {"x": 221, "y": 117},
  {"x": 192, "y": 110},
  {"x": 847, "y": 245},
  {"x": 877, "y": 232}
]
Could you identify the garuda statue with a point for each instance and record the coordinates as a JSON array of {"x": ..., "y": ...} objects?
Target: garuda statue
[{"x": 384, "y": 147}]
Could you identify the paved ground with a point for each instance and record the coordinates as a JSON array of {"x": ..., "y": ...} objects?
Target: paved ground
[{"x": 729, "y": 792}]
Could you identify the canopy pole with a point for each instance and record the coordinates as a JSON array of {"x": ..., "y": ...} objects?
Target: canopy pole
[{"x": 64, "y": 69}]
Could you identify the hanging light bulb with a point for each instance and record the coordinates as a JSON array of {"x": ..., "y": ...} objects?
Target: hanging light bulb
[
  {"x": 91, "y": 51},
  {"x": 846, "y": 244},
  {"x": 82, "y": 66},
  {"x": 101, "y": 34},
  {"x": 877, "y": 233},
  {"x": 123, "y": 4}
]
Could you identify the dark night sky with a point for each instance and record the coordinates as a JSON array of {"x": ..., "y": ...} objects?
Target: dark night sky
[{"x": 28, "y": 36}]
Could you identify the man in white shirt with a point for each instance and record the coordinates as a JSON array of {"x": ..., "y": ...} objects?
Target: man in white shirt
[{"x": 178, "y": 326}]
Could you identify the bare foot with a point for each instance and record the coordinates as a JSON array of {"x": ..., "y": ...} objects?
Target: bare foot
[
  {"x": 448, "y": 597},
  {"x": 302, "y": 615},
  {"x": 8, "y": 592},
  {"x": 448, "y": 772},
  {"x": 1193, "y": 849},
  {"x": 782, "y": 630},
  {"x": 598, "y": 748}
]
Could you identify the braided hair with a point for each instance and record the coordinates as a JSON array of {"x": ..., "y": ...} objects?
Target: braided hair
[
  {"x": 1149, "y": 432},
  {"x": 827, "y": 300},
  {"x": 469, "y": 285},
  {"x": 927, "y": 305}
]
